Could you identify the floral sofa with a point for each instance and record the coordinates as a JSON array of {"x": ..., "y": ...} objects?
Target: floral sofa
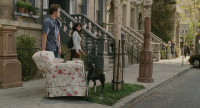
[{"x": 62, "y": 79}]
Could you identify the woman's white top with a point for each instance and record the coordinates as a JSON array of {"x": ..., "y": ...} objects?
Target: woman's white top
[{"x": 76, "y": 41}]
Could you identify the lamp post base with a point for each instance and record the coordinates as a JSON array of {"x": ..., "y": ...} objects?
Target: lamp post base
[
  {"x": 146, "y": 67},
  {"x": 145, "y": 80}
]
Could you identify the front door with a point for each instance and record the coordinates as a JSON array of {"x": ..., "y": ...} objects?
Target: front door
[{"x": 65, "y": 4}]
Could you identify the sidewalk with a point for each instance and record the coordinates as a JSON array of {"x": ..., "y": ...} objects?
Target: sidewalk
[{"x": 31, "y": 95}]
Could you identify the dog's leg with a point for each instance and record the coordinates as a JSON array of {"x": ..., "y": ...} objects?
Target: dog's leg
[
  {"x": 88, "y": 87},
  {"x": 102, "y": 84},
  {"x": 95, "y": 90}
]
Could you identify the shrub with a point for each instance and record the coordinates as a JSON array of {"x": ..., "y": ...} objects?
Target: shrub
[
  {"x": 170, "y": 1},
  {"x": 25, "y": 41},
  {"x": 161, "y": 20},
  {"x": 21, "y": 4},
  {"x": 86, "y": 60},
  {"x": 29, "y": 6},
  {"x": 25, "y": 50},
  {"x": 176, "y": 52}
]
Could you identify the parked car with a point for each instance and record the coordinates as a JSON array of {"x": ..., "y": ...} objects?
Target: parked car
[{"x": 195, "y": 60}]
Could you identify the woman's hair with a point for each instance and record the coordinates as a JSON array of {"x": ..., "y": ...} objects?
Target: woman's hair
[{"x": 74, "y": 28}]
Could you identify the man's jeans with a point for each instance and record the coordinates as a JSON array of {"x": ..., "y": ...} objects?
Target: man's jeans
[{"x": 56, "y": 53}]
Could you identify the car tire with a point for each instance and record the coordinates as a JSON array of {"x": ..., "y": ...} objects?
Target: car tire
[{"x": 196, "y": 63}]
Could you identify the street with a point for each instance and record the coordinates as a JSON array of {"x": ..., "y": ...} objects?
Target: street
[{"x": 182, "y": 92}]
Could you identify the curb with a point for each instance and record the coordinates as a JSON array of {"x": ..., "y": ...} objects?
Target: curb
[{"x": 148, "y": 92}]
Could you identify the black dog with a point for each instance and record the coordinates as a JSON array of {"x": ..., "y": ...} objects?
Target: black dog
[{"x": 94, "y": 74}]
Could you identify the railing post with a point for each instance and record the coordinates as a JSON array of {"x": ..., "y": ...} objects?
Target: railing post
[
  {"x": 10, "y": 67},
  {"x": 124, "y": 50},
  {"x": 165, "y": 52},
  {"x": 169, "y": 50},
  {"x": 156, "y": 51},
  {"x": 102, "y": 60},
  {"x": 138, "y": 53},
  {"x": 132, "y": 53}
]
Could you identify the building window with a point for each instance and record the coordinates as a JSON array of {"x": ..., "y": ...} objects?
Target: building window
[
  {"x": 79, "y": 6},
  {"x": 33, "y": 2},
  {"x": 97, "y": 10},
  {"x": 97, "y": 15},
  {"x": 26, "y": 8},
  {"x": 132, "y": 18},
  {"x": 124, "y": 15}
]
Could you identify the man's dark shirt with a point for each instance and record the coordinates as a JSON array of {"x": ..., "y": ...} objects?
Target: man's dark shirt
[{"x": 51, "y": 27}]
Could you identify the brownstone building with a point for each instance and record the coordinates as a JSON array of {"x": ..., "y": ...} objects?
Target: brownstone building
[{"x": 26, "y": 23}]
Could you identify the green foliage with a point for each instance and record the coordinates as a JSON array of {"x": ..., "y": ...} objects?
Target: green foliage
[
  {"x": 85, "y": 58},
  {"x": 189, "y": 37},
  {"x": 35, "y": 12},
  {"x": 162, "y": 54},
  {"x": 28, "y": 6},
  {"x": 25, "y": 50},
  {"x": 25, "y": 41},
  {"x": 176, "y": 52},
  {"x": 161, "y": 24},
  {"x": 170, "y": 1},
  {"x": 110, "y": 96},
  {"x": 21, "y": 4}
]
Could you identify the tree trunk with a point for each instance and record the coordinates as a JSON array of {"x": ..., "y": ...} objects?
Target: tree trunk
[{"x": 117, "y": 33}]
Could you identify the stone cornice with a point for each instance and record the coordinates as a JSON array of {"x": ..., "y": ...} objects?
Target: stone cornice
[{"x": 22, "y": 25}]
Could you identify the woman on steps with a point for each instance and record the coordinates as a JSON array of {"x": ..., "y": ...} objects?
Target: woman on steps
[{"x": 76, "y": 36}]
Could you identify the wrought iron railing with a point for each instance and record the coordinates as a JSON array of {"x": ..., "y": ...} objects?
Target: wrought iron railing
[
  {"x": 134, "y": 32},
  {"x": 29, "y": 68},
  {"x": 133, "y": 53},
  {"x": 88, "y": 38},
  {"x": 96, "y": 30},
  {"x": 134, "y": 40},
  {"x": 155, "y": 38},
  {"x": 96, "y": 40}
]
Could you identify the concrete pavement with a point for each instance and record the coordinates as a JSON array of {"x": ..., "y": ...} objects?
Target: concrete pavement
[
  {"x": 182, "y": 92},
  {"x": 32, "y": 94}
]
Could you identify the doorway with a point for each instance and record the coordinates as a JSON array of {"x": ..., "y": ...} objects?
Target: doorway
[{"x": 65, "y": 4}]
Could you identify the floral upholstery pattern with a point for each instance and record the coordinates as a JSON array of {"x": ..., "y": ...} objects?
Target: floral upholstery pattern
[
  {"x": 58, "y": 60},
  {"x": 63, "y": 79}
]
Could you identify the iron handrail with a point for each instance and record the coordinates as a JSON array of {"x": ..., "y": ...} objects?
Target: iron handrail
[
  {"x": 94, "y": 23},
  {"x": 74, "y": 21},
  {"x": 135, "y": 32},
  {"x": 155, "y": 37}
]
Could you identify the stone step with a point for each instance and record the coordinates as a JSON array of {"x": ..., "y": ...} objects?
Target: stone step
[
  {"x": 111, "y": 61},
  {"x": 111, "y": 65},
  {"x": 154, "y": 60}
]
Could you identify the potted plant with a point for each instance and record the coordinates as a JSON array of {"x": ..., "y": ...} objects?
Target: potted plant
[
  {"x": 21, "y": 6},
  {"x": 31, "y": 10},
  {"x": 35, "y": 12},
  {"x": 28, "y": 6}
]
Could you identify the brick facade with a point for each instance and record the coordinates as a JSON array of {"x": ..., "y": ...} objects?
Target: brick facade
[{"x": 25, "y": 25}]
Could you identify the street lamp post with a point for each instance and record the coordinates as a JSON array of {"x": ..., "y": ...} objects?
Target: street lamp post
[
  {"x": 194, "y": 32},
  {"x": 146, "y": 55}
]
